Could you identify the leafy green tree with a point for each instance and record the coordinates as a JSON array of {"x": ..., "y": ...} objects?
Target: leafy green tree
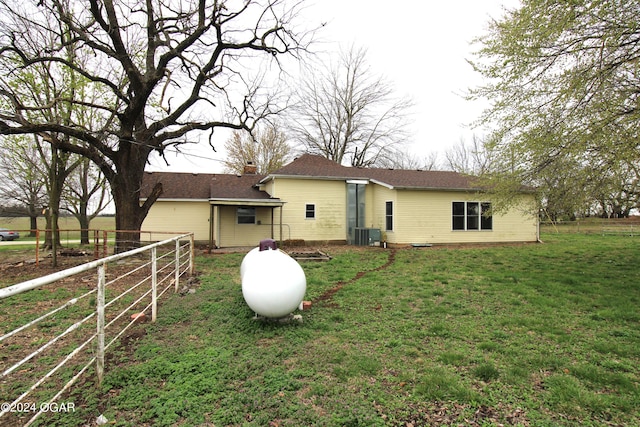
[
  {"x": 86, "y": 195},
  {"x": 22, "y": 184},
  {"x": 564, "y": 88}
]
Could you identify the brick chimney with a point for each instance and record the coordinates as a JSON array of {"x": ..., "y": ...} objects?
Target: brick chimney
[{"x": 250, "y": 168}]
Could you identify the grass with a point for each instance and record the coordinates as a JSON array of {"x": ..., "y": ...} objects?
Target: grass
[
  {"x": 65, "y": 223},
  {"x": 69, "y": 227},
  {"x": 535, "y": 335}
]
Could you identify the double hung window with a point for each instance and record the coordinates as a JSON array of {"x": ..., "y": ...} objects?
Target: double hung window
[
  {"x": 246, "y": 215},
  {"x": 388, "y": 215},
  {"x": 310, "y": 211}
]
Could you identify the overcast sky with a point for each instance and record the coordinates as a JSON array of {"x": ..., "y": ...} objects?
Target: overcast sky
[{"x": 420, "y": 47}]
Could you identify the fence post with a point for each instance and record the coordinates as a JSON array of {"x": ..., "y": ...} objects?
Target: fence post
[
  {"x": 96, "y": 242},
  {"x": 100, "y": 304},
  {"x": 191, "y": 254},
  {"x": 177, "y": 275},
  {"x": 154, "y": 285},
  {"x": 37, "y": 247}
]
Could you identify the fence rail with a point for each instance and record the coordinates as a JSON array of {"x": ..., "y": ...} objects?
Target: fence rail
[
  {"x": 71, "y": 244},
  {"x": 621, "y": 227},
  {"x": 125, "y": 283}
]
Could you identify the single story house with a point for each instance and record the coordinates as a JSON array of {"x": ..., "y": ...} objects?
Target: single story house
[{"x": 313, "y": 199}]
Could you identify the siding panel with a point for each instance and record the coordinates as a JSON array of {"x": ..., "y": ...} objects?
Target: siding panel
[
  {"x": 426, "y": 217},
  {"x": 330, "y": 199},
  {"x": 233, "y": 234},
  {"x": 174, "y": 216}
]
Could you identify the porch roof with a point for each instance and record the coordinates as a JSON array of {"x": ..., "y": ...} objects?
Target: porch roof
[{"x": 218, "y": 189}]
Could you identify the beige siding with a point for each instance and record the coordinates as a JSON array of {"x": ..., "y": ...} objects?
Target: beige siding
[
  {"x": 233, "y": 234},
  {"x": 426, "y": 217},
  {"x": 170, "y": 216},
  {"x": 419, "y": 216},
  {"x": 380, "y": 196},
  {"x": 330, "y": 201}
]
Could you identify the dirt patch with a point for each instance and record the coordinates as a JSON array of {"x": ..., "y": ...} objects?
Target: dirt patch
[
  {"x": 18, "y": 266},
  {"x": 328, "y": 295}
]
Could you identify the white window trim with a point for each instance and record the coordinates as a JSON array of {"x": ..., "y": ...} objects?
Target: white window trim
[
  {"x": 314, "y": 212},
  {"x": 393, "y": 215}
]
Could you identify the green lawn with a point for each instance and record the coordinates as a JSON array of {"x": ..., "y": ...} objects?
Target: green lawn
[
  {"x": 69, "y": 226},
  {"x": 532, "y": 335}
]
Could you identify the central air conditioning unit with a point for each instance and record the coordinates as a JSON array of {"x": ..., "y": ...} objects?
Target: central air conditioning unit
[{"x": 367, "y": 236}]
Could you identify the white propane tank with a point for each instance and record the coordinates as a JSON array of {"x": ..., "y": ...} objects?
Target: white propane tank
[
  {"x": 246, "y": 261},
  {"x": 273, "y": 283}
]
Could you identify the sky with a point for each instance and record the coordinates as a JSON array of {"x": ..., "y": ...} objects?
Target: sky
[{"x": 420, "y": 47}]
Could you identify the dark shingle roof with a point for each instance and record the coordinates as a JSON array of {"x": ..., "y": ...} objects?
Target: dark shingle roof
[
  {"x": 204, "y": 186},
  {"x": 227, "y": 186},
  {"x": 309, "y": 165}
]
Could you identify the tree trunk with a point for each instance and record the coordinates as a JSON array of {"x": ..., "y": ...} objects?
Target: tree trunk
[
  {"x": 33, "y": 222},
  {"x": 83, "y": 219},
  {"x": 48, "y": 235},
  {"x": 130, "y": 214}
]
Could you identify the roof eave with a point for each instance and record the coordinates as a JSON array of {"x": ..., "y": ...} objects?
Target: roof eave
[
  {"x": 176, "y": 199},
  {"x": 418, "y": 188},
  {"x": 228, "y": 201},
  {"x": 324, "y": 178}
]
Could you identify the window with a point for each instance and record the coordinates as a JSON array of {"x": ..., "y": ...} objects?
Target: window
[
  {"x": 388, "y": 214},
  {"x": 486, "y": 219},
  {"x": 310, "y": 211},
  {"x": 246, "y": 215},
  {"x": 471, "y": 216},
  {"x": 458, "y": 216}
]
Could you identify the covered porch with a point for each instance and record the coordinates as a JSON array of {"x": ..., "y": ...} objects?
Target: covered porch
[{"x": 244, "y": 222}]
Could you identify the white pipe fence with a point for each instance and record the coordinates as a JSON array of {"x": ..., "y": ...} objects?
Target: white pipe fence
[{"x": 175, "y": 259}]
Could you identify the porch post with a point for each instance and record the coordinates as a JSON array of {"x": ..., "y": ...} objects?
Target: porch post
[
  {"x": 272, "y": 225},
  {"x": 281, "y": 239},
  {"x": 211, "y": 229}
]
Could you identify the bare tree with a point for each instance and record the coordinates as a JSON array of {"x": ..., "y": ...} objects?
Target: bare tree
[
  {"x": 404, "y": 160},
  {"x": 268, "y": 151},
  {"x": 474, "y": 158},
  {"x": 156, "y": 74},
  {"x": 348, "y": 114}
]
